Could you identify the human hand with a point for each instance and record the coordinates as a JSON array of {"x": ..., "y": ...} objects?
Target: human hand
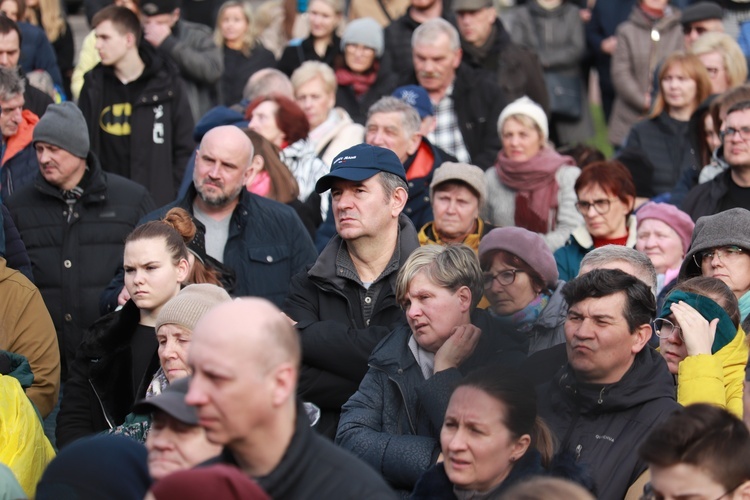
[
  {"x": 609, "y": 45},
  {"x": 123, "y": 297},
  {"x": 156, "y": 33},
  {"x": 458, "y": 347},
  {"x": 585, "y": 15},
  {"x": 697, "y": 332}
]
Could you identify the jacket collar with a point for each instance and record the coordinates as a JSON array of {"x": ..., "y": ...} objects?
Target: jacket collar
[
  {"x": 23, "y": 137},
  {"x": 95, "y": 191}
]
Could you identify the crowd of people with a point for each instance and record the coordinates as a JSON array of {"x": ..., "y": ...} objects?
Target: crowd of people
[{"x": 354, "y": 249}]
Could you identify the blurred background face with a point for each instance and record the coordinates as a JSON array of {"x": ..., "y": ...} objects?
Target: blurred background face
[
  {"x": 712, "y": 135},
  {"x": 717, "y": 72},
  {"x": 233, "y": 24},
  {"x": 10, "y": 9},
  {"x": 323, "y": 19},
  {"x": 660, "y": 243},
  {"x": 263, "y": 121},
  {"x": 520, "y": 141},
  {"x": 456, "y": 209},
  {"x": 174, "y": 342},
  {"x": 315, "y": 100},
  {"x": 508, "y": 299},
  {"x": 678, "y": 88},
  {"x": 610, "y": 224},
  {"x": 477, "y": 446},
  {"x": 359, "y": 58}
]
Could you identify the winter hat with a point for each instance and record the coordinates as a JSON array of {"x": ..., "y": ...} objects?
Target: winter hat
[
  {"x": 102, "y": 466},
  {"x": 527, "y": 107},
  {"x": 216, "y": 481},
  {"x": 188, "y": 306},
  {"x": 63, "y": 125},
  {"x": 463, "y": 172},
  {"x": 730, "y": 227},
  {"x": 527, "y": 246},
  {"x": 671, "y": 216},
  {"x": 364, "y": 31}
]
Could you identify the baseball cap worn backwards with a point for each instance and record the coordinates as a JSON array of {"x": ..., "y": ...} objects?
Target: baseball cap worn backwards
[{"x": 359, "y": 163}]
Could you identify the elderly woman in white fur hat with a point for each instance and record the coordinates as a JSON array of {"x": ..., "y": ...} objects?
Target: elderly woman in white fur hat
[{"x": 531, "y": 185}]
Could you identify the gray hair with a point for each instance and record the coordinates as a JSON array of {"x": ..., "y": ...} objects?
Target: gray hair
[
  {"x": 410, "y": 120},
  {"x": 390, "y": 183},
  {"x": 11, "y": 84},
  {"x": 429, "y": 31},
  {"x": 611, "y": 254},
  {"x": 267, "y": 81},
  {"x": 451, "y": 267}
]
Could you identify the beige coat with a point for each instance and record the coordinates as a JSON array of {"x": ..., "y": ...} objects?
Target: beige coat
[
  {"x": 639, "y": 51},
  {"x": 372, "y": 8}
]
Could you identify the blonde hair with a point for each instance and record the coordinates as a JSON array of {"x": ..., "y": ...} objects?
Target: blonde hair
[
  {"x": 731, "y": 54},
  {"x": 52, "y": 20},
  {"x": 310, "y": 70},
  {"x": 249, "y": 38}
]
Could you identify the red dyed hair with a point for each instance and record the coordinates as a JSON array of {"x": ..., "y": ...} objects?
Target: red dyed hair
[
  {"x": 289, "y": 116},
  {"x": 612, "y": 176}
]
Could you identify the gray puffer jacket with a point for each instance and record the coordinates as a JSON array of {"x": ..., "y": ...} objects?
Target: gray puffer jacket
[{"x": 548, "y": 330}]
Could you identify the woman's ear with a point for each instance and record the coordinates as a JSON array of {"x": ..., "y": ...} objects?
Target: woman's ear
[
  {"x": 183, "y": 270},
  {"x": 520, "y": 447}
]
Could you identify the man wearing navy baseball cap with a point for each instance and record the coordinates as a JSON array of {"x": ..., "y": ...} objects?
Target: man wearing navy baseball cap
[{"x": 345, "y": 303}]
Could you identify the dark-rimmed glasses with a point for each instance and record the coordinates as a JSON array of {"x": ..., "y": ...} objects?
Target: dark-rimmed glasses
[
  {"x": 601, "y": 206},
  {"x": 504, "y": 278},
  {"x": 729, "y": 132},
  {"x": 665, "y": 328}
]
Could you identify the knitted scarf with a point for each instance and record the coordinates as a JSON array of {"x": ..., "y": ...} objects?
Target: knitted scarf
[
  {"x": 360, "y": 82},
  {"x": 536, "y": 189},
  {"x": 524, "y": 319}
]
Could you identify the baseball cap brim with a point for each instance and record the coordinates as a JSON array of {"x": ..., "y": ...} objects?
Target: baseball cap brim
[
  {"x": 171, "y": 403},
  {"x": 356, "y": 174}
]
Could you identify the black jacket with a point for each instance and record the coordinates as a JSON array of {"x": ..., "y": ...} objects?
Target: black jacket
[
  {"x": 312, "y": 467},
  {"x": 706, "y": 198},
  {"x": 602, "y": 425},
  {"x": 99, "y": 391},
  {"x": 517, "y": 70},
  {"x": 266, "y": 246},
  {"x": 161, "y": 140},
  {"x": 336, "y": 342},
  {"x": 73, "y": 261},
  {"x": 294, "y": 55}
]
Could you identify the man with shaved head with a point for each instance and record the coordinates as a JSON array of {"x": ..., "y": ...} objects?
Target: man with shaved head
[
  {"x": 244, "y": 387},
  {"x": 262, "y": 241}
]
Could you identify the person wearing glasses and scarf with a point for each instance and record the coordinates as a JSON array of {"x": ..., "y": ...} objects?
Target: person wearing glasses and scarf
[
  {"x": 606, "y": 197},
  {"x": 703, "y": 344},
  {"x": 522, "y": 286}
]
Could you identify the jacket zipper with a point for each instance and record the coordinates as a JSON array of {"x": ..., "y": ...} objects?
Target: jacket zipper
[
  {"x": 403, "y": 398},
  {"x": 101, "y": 405}
]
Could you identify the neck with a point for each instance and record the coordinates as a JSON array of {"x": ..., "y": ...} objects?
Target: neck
[
  {"x": 681, "y": 114},
  {"x": 741, "y": 176},
  {"x": 425, "y": 14},
  {"x": 445, "y": 238},
  {"x": 320, "y": 45},
  {"x": 549, "y": 4},
  {"x": 148, "y": 318},
  {"x": 259, "y": 455},
  {"x": 234, "y": 44},
  {"x": 217, "y": 213},
  {"x": 437, "y": 95},
  {"x": 129, "y": 68},
  {"x": 372, "y": 256}
]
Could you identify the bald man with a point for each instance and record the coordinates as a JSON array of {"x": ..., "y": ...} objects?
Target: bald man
[
  {"x": 243, "y": 386},
  {"x": 261, "y": 241}
]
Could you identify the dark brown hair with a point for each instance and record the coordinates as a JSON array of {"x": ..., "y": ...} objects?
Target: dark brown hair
[
  {"x": 612, "y": 176},
  {"x": 514, "y": 260}
]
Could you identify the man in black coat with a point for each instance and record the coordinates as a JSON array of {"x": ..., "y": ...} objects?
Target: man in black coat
[
  {"x": 244, "y": 387},
  {"x": 74, "y": 219}
]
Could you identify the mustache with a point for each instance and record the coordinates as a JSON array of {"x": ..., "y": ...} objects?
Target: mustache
[{"x": 428, "y": 74}]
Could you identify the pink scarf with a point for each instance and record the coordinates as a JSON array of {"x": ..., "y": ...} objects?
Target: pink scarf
[
  {"x": 360, "y": 82},
  {"x": 535, "y": 186}
]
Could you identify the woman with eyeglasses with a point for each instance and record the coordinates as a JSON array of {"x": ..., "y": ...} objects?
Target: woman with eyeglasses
[
  {"x": 531, "y": 184},
  {"x": 606, "y": 197},
  {"x": 720, "y": 250},
  {"x": 683, "y": 85},
  {"x": 701, "y": 452},
  {"x": 703, "y": 344},
  {"x": 520, "y": 282}
]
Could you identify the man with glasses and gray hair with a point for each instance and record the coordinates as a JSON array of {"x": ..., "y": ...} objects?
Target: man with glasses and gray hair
[{"x": 731, "y": 188}]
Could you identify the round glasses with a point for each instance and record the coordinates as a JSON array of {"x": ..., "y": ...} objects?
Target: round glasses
[
  {"x": 504, "y": 278},
  {"x": 724, "y": 254},
  {"x": 665, "y": 328},
  {"x": 601, "y": 206}
]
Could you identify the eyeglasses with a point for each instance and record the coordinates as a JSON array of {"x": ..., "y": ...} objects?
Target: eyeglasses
[
  {"x": 686, "y": 30},
  {"x": 665, "y": 328},
  {"x": 504, "y": 278},
  {"x": 725, "y": 254},
  {"x": 601, "y": 206},
  {"x": 729, "y": 132}
]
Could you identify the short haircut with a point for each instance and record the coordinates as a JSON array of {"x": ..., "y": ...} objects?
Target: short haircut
[
  {"x": 410, "y": 120},
  {"x": 640, "y": 303},
  {"x": 695, "y": 71},
  {"x": 431, "y": 30},
  {"x": 267, "y": 81},
  {"x": 706, "y": 437},
  {"x": 611, "y": 175},
  {"x": 450, "y": 267},
  {"x": 11, "y": 83},
  {"x": 390, "y": 183},
  {"x": 734, "y": 60},
  {"x": 716, "y": 290},
  {"x": 7, "y": 25},
  {"x": 608, "y": 254},
  {"x": 310, "y": 70},
  {"x": 123, "y": 20},
  {"x": 740, "y": 106},
  {"x": 289, "y": 116}
]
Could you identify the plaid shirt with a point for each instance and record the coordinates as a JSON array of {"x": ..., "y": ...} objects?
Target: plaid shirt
[{"x": 447, "y": 135}]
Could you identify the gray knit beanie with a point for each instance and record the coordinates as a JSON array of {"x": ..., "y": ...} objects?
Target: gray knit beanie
[
  {"x": 731, "y": 227},
  {"x": 364, "y": 31},
  {"x": 462, "y": 172},
  {"x": 63, "y": 125},
  {"x": 188, "y": 306}
]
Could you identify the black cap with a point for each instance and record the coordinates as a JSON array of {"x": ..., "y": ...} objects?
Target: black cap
[
  {"x": 701, "y": 11},
  {"x": 171, "y": 402},
  {"x": 359, "y": 163}
]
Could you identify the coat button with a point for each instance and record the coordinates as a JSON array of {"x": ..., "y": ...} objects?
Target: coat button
[
  {"x": 368, "y": 300},
  {"x": 67, "y": 264},
  {"x": 68, "y": 317},
  {"x": 269, "y": 258}
]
